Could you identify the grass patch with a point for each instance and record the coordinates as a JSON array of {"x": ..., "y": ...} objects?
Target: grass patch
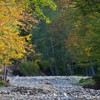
[{"x": 88, "y": 81}]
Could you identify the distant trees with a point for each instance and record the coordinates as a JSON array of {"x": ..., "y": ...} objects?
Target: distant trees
[
  {"x": 86, "y": 26},
  {"x": 71, "y": 41}
]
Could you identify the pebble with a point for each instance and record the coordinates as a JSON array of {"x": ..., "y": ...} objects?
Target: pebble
[{"x": 47, "y": 88}]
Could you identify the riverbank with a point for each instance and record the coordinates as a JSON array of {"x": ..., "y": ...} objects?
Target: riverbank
[{"x": 47, "y": 88}]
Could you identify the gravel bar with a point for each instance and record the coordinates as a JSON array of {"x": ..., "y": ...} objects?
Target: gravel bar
[{"x": 47, "y": 88}]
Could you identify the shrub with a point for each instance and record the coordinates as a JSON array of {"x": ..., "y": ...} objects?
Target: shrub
[
  {"x": 1, "y": 83},
  {"x": 88, "y": 81},
  {"x": 29, "y": 68},
  {"x": 97, "y": 78}
]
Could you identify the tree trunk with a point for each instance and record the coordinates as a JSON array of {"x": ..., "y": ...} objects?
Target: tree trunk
[
  {"x": 92, "y": 71},
  {"x": 53, "y": 52},
  {"x": 86, "y": 72},
  {"x": 52, "y": 71},
  {"x": 64, "y": 64},
  {"x": 91, "y": 67},
  {"x": 5, "y": 74},
  {"x": 72, "y": 71}
]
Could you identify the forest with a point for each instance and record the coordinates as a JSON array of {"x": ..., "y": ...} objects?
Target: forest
[{"x": 45, "y": 37}]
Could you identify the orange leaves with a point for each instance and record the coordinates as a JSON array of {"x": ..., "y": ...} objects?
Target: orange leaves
[{"x": 28, "y": 21}]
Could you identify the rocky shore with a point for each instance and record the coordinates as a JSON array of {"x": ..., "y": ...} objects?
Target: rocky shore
[{"x": 47, "y": 88}]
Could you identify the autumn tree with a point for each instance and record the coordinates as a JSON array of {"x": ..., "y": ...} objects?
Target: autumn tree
[{"x": 15, "y": 16}]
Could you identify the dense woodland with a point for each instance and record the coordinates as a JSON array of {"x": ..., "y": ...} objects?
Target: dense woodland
[{"x": 45, "y": 37}]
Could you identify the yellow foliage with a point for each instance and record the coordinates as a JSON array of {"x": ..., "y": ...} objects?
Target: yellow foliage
[
  {"x": 12, "y": 45},
  {"x": 88, "y": 51}
]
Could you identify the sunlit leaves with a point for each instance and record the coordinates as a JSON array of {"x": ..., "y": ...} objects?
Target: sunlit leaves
[{"x": 17, "y": 15}]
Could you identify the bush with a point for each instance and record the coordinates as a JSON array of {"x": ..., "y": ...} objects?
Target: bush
[
  {"x": 97, "y": 81},
  {"x": 93, "y": 83},
  {"x": 88, "y": 81},
  {"x": 29, "y": 68},
  {"x": 1, "y": 83},
  {"x": 97, "y": 78}
]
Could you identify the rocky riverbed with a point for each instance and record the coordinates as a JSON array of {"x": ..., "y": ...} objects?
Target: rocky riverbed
[{"x": 47, "y": 88}]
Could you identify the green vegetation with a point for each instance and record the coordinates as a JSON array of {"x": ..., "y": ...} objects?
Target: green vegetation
[
  {"x": 59, "y": 37},
  {"x": 97, "y": 78},
  {"x": 88, "y": 81},
  {"x": 1, "y": 83},
  {"x": 29, "y": 68},
  {"x": 70, "y": 44},
  {"x": 93, "y": 83}
]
